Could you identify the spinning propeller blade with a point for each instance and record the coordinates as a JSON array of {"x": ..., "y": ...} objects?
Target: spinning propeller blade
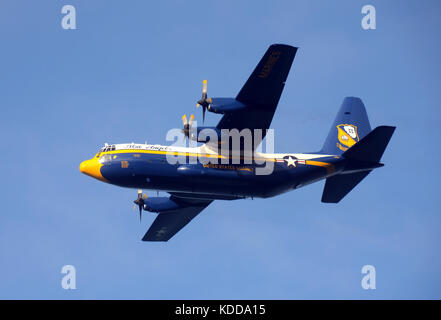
[
  {"x": 204, "y": 102},
  {"x": 140, "y": 201},
  {"x": 187, "y": 125}
]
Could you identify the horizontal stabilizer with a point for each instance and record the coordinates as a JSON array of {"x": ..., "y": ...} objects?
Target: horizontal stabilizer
[
  {"x": 362, "y": 158},
  {"x": 372, "y": 146},
  {"x": 338, "y": 186}
]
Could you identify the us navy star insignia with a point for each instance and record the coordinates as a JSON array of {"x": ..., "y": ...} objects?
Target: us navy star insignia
[{"x": 290, "y": 161}]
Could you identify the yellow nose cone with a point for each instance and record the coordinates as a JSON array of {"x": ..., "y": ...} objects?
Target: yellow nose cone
[
  {"x": 92, "y": 168},
  {"x": 83, "y": 166}
]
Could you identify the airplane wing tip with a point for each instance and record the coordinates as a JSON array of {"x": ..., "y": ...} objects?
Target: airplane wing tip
[{"x": 168, "y": 223}]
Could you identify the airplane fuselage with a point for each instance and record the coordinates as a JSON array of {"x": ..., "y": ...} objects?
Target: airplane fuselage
[{"x": 204, "y": 172}]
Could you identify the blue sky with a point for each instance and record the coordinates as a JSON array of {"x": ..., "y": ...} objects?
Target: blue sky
[{"x": 131, "y": 70}]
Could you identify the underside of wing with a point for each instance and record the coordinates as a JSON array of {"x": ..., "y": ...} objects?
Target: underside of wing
[
  {"x": 262, "y": 91},
  {"x": 168, "y": 223}
]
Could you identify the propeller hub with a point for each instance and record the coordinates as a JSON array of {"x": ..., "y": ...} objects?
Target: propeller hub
[
  {"x": 140, "y": 202},
  {"x": 187, "y": 125}
]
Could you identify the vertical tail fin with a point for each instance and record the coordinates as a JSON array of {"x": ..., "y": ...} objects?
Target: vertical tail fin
[{"x": 350, "y": 125}]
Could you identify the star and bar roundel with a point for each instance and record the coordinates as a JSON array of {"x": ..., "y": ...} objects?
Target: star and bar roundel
[{"x": 291, "y": 161}]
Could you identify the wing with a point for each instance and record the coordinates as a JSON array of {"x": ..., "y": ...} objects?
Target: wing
[
  {"x": 261, "y": 93},
  {"x": 168, "y": 223}
]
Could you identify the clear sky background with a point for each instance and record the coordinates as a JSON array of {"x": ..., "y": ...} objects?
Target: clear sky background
[{"x": 130, "y": 71}]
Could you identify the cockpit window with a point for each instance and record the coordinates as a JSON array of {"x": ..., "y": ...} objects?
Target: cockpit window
[
  {"x": 108, "y": 148},
  {"x": 105, "y": 158}
]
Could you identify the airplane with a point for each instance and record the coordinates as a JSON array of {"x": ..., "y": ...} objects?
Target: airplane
[{"x": 350, "y": 152}]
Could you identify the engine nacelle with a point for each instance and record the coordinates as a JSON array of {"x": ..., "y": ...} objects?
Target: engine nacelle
[
  {"x": 160, "y": 204},
  {"x": 225, "y": 105}
]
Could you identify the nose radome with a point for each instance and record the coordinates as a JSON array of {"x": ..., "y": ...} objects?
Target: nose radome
[
  {"x": 83, "y": 166},
  {"x": 92, "y": 168}
]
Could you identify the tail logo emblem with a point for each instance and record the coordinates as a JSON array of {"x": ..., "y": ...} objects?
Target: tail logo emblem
[{"x": 347, "y": 136}]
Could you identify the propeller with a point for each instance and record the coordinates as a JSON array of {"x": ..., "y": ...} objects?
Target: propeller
[
  {"x": 204, "y": 102},
  {"x": 187, "y": 125},
  {"x": 140, "y": 201}
]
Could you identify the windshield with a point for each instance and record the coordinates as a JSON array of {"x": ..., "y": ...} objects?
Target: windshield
[{"x": 107, "y": 148}]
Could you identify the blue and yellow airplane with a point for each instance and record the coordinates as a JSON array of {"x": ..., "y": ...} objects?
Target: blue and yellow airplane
[{"x": 350, "y": 152}]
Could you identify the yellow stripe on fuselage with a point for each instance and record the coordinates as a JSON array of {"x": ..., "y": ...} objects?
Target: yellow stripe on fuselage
[
  {"x": 186, "y": 154},
  {"x": 328, "y": 166}
]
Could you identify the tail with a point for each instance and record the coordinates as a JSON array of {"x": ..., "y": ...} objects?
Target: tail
[
  {"x": 362, "y": 148},
  {"x": 350, "y": 125}
]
